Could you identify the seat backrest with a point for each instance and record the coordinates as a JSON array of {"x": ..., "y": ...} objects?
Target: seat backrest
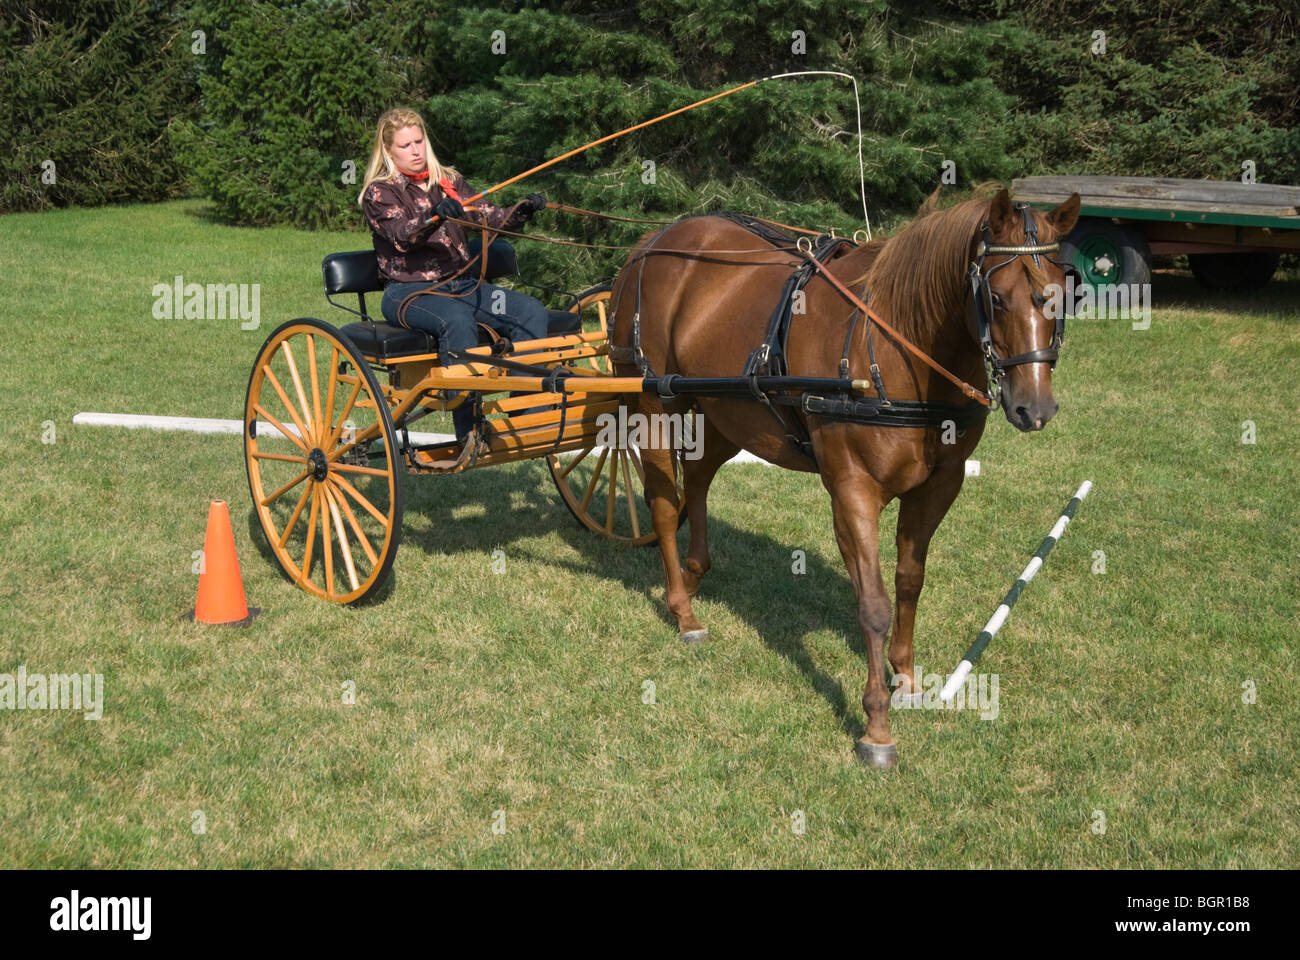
[
  {"x": 358, "y": 271},
  {"x": 355, "y": 272}
]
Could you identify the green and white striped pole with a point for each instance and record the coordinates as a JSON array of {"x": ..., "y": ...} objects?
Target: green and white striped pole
[{"x": 1004, "y": 609}]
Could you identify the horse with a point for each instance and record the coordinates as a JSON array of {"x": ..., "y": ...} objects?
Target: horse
[{"x": 694, "y": 299}]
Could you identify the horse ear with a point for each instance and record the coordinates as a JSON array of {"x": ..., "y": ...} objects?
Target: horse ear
[
  {"x": 1000, "y": 213},
  {"x": 930, "y": 205},
  {"x": 1064, "y": 217}
]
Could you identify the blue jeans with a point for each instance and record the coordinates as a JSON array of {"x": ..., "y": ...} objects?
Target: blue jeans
[{"x": 454, "y": 320}]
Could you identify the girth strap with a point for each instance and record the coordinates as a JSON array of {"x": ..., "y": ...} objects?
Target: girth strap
[{"x": 768, "y": 358}]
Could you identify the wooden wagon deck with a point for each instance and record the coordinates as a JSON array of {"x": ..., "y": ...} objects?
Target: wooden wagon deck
[{"x": 1232, "y": 232}]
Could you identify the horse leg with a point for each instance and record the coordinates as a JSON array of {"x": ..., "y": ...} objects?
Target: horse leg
[
  {"x": 715, "y": 450},
  {"x": 921, "y": 511},
  {"x": 856, "y": 504},
  {"x": 661, "y": 498}
]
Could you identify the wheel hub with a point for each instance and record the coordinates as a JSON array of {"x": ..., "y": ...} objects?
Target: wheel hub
[{"x": 319, "y": 465}]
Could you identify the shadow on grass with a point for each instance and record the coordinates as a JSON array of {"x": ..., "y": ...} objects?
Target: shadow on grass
[
  {"x": 521, "y": 504},
  {"x": 1178, "y": 289}
]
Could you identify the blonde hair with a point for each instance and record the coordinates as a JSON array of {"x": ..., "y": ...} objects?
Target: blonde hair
[{"x": 381, "y": 165}]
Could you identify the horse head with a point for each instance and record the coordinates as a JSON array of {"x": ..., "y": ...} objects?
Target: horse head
[{"x": 1016, "y": 318}]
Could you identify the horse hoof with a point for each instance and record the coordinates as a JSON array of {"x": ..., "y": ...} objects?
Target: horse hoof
[
  {"x": 695, "y": 636},
  {"x": 879, "y": 755}
]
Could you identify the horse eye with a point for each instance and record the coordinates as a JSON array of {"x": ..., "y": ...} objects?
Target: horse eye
[{"x": 997, "y": 301}]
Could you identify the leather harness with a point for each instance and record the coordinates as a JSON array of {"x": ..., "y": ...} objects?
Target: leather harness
[{"x": 768, "y": 359}]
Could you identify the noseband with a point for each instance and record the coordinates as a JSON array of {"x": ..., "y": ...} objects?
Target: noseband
[{"x": 979, "y": 281}]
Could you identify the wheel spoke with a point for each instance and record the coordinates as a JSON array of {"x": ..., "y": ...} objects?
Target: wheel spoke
[
  {"x": 297, "y": 386},
  {"x": 329, "y": 392},
  {"x": 627, "y": 491},
  {"x": 293, "y": 517},
  {"x": 286, "y": 488},
  {"x": 297, "y": 420},
  {"x": 315, "y": 382},
  {"x": 635, "y": 454},
  {"x": 353, "y": 468},
  {"x": 362, "y": 436},
  {"x": 613, "y": 491},
  {"x": 356, "y": 527},
  {"x": 343, "y": 417},
  {"x": 343, "y": 538},
  {"x": 327, "y": 548},
  {"x": 595, "y": 478},
  {"x": 261, "y": 411},
  {"x": 311, "y": 532},
  {"x": 288, "y": 458},
  {"x": 574, "y": 461},
  {"x": 356, "y": 495}
]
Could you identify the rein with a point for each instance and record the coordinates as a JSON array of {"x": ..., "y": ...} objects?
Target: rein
[{"x": 974, "y": 394}]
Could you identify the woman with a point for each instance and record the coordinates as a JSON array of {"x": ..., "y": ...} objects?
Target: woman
[{"x": 405, "y": 187}]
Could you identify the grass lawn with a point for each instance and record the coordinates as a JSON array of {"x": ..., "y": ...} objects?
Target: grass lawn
[{"x": 517, "y": 699}]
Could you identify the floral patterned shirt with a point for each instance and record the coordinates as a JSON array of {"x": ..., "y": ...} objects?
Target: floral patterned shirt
[{"x": 396, "y": 211}]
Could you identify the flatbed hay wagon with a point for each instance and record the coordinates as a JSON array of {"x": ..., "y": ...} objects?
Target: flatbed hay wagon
[{"x": 1233, "y": 233}]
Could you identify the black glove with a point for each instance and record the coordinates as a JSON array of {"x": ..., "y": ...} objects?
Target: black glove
[
  {"x": 449, "y": 208},
  {"x": 529, "y": 205}
]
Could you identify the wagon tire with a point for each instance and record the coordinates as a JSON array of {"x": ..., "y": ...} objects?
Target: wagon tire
[
  {"x": 1106, "y": 253},
  {"x": 1235, "y": 272},
  {"x": 328, "y": 500}
]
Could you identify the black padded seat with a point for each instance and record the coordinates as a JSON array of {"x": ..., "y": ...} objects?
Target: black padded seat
[{"x": 384, "y": 341}]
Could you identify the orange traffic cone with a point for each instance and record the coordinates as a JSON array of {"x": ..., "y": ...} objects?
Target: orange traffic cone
[{"x": 221, "y": 591}]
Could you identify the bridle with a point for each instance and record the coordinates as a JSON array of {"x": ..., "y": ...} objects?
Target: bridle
[{"x": 995, "y": 365}]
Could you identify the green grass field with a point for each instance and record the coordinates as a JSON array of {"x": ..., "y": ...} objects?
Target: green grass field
[{"x": 476, "y": 693}]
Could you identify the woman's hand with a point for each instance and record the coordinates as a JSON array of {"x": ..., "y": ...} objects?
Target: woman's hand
[
  {"x": 449, "y": 208},
  {"x": 529, "y": 205}
]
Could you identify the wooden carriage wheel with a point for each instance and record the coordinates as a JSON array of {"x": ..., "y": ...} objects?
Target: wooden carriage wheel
[
  {"x": 323, "y": 468},
  {"x": 604, "y": 489},
  {"x": 593, "y": 306}
]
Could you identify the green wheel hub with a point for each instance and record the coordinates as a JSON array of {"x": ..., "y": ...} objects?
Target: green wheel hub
[{"x": 1100, "y": 260}]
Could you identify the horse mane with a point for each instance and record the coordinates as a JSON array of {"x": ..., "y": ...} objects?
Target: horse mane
[
  {"x": 919, "y": 278},
  {"x": 919, "y": 275}
]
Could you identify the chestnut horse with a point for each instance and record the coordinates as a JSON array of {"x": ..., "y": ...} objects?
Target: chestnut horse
[{"x": 702, "y": 313}]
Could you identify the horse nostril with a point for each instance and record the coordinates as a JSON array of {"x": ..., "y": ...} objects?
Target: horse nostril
[{"x": 1038, "y": 424}]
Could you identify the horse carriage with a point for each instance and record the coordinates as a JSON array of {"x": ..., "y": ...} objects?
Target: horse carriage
[
  {"x": 327, "y": 443},
  {"x": 709, "y": 315}
]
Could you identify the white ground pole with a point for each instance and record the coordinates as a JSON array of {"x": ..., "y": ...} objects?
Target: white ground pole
[
  {"x": 209, "y": 425},
  {"x": 1004, "y": 609}
]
